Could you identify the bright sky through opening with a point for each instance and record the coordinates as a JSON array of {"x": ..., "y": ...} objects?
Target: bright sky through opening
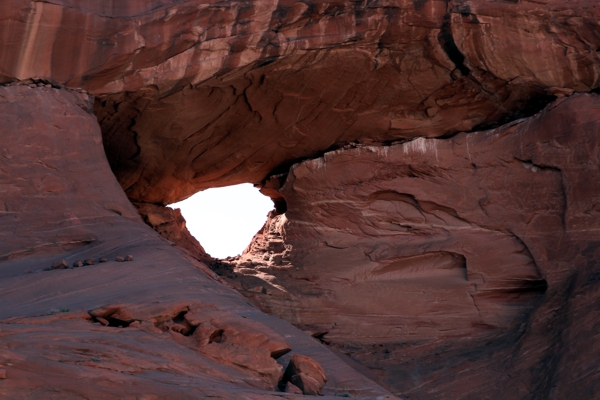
[{"x": 224, "y": 220}]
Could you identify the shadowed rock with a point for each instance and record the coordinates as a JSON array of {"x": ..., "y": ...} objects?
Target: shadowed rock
[
  {"x": 60, "y": 264},
  {"x": 71, "y": 207},
  {"x": 435, "y": 209},
  {"x": 306, "y": 374}
]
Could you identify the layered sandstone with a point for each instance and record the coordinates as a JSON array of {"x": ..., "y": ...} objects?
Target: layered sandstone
[
  {"x": 475, "y": 253},
  {"x": 115, "y": 329},
  {"x": 195, "y": 94},
  {"x": 425, "y": 223}
]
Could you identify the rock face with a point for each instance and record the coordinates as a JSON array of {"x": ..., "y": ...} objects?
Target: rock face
[
  {"x": 483, "y": 247},
  {"x": 113, "y": 329},
  {"x": 57, "y": 189},
  {"x": 170, "y": 224},
  {"x": 195, "y": 94},
  {"x": 433, "y": 165}
]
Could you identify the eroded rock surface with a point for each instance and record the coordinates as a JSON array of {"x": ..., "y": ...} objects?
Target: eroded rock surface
[
  {"x": 453, "y": 261},
  {"x": 113, "y": 329},
  {"x": 171, "y": 225},
  {"x": 306, "y": 374},
  {"x": 476, "y": 254},
  {"x": 195, "y": 94}
]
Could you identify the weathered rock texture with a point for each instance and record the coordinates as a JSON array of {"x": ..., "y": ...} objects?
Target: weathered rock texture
[
  {"x": 457, "y": 267},
  {"x": 420, "y": 225},
  {"x": 194, "y": 94},
  {"x": 306, "y": 374},
  {"x": 171, "y": 225},
  {"x": 112, "y": 329}
]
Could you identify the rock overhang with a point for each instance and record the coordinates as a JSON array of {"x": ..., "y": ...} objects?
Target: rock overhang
[{"x": 191, "y": 95}]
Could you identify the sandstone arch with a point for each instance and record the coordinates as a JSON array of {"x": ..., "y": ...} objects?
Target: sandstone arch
[{"x": 448, "y": 148}]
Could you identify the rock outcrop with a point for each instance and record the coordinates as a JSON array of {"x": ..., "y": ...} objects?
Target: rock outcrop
[
  {"x": 171, "y": 225},
  {"x": 475, "y": 253},
  {"x": 193, "y": 94},
  {"x": 113, "y": 329},
  {"x": 306, "y": 374},
  {"x": 433, "y": 166}
]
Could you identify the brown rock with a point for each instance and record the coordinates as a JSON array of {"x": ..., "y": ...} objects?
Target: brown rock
[
  {"x": 306, "y": 374},
  {"x": 291, "y": 388},
  {"x": 449, "y": 242},
  {"x": 184, "y": 329},
  {"x": 215, "y": 326},
  {"x": 253, "y": 359},
  {"x": 120, "y": 259},
  {"x": 458, "y": 73},
  {"x": 432, "y": 52},
  {"x": 470, "y": 261},
  {"x": 77, "y": 264},
  {"x": 257, "y": 289},
  {"x": 432, "y": 111},
  {"x": 104, "y": 311},
  {"x": 60, "y": 264},
  {"x": 89, "y": 261},
  {"x": 2, "y": 373},
  {"x": 171, "y": 225},
  {"x": 158, "y": 312},
  {"x": 128, "y": 258},
  {"x": 102, "y": 260},
  {"x": 57, "y": 202},
  {"x": 206, "y": 333}
]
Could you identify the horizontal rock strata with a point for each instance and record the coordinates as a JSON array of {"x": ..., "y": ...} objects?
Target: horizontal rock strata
[
  {"x": 482, "y": 248},
  {"x": 194, "y": 94}
]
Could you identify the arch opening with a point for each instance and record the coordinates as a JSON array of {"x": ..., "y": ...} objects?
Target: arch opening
[{"x": 224, "y": 220}]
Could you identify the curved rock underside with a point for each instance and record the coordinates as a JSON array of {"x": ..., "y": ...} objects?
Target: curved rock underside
[
  {"x": 434, "y": 167},
  {"x": 196, "y": 94},
  {"x": 116, "y": 329}
]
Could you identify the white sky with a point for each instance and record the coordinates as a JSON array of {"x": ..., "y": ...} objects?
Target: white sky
[{"x": 224, "y": 220}]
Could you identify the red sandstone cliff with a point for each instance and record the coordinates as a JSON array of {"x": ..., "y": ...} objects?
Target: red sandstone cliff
[
  {"x": 115, "y": 329},
  {"x": 434, "y": 166},
  {"x": 194, "y": 94},
  {"x": 475, "y": 253}
]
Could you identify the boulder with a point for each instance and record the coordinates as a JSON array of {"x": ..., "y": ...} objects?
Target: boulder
[{"x": 306, "y": 374}]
